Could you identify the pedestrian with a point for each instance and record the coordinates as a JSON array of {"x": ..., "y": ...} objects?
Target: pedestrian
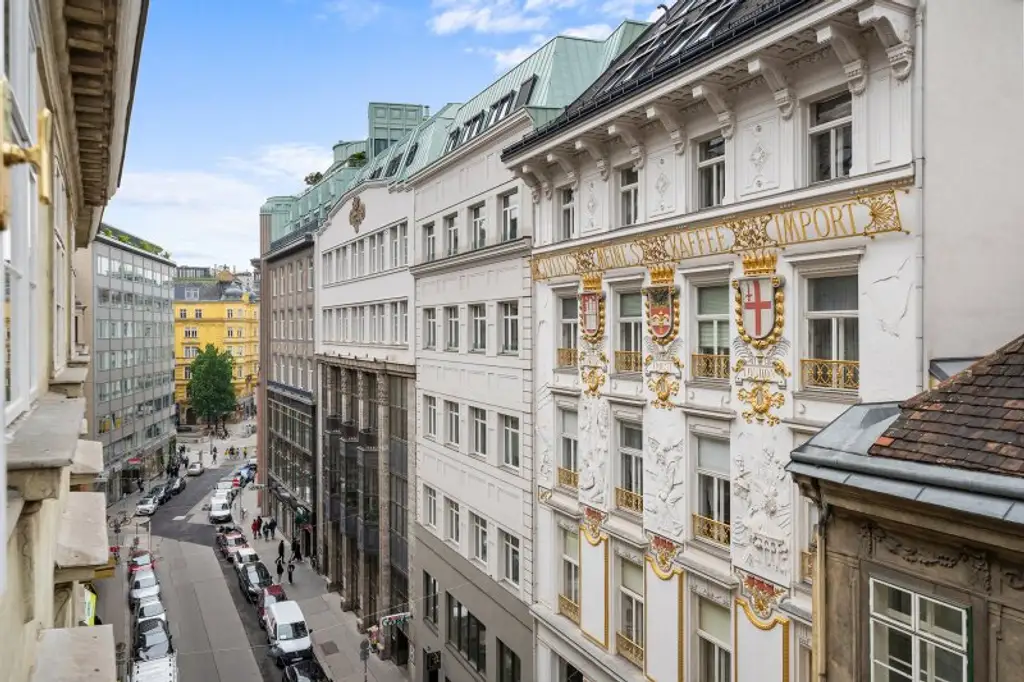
[
  {"x": 273, "y": 527},
  {"x": 296, "y": 550},
  {"x": 291, "y": 572},
  {"x": 255, "y": 527},
  {"x": 266, "y": 532},
  {"x": 280, "y": 570},
  {"x": 280, "y": 551}
]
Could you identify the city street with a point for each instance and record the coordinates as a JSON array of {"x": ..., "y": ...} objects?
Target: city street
[{"x": 214, "y": 628}]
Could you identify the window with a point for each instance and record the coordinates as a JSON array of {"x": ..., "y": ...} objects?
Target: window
[
  {"x": 569, "y": 329},
  {"x": 711, "y": 172},
  {"x": 182, "y": 313},
  {"x": 231, "y": 314},
  {"x": 102, "y": 265},
  {"x": 393, "y": 311},
  {"x": 509, "y": 667},
  {"x": 403, "y": 237},
  {"x": 831, "y": 131},
  {"x": 478, "y": 422},
  {"x": 478, "y": 320},
  {"x": 509, "y": 327},
  {"x": 393, "y": 240},
  {"x": 403, "y": 322},
  {"x": 430, "y": 329},
  {"x": 452, "y": 423},
  {"x": 479, "y": 526},
  {"x": 451, "y": 236},
  {"x": 630, "y": 495},
  {"x": 509, "y": 558},
  {"x": 199, "y": 314},
  {"x": 377, "y": 242},
  {"x": 568, "y": 447},
  {"x": 429, "y": 243},
  {"x": 509, "y": 217},
  {"x": 429, "y": 506},
  {"x": 191, "y": 332},
  {"x": 832, "y": 329},
  {"x": 711, "y": 361},
  {"x": 451, "y": 328},
  {"x": 510, "y": 441},
  {"x": 627, "y": 357},
  {"x": 714, "y": 628},
  {"x": 631, "y": 612},
  {"x": 430, "y": 598},
  {"x": 713, "y": 492},
  {"x": 191, "y": 351},
  {"x": 567, "y": 215},
  {"x": 479, "y": 226},
  {"x": 451, "y": 521},
  {"x": 467, "y": 634},
  {"x": 629, "y": 197},
  {"x": 914, "y": 637},
  {"x": 808, "y": 538},
  {"x": 571, "y": 566}
]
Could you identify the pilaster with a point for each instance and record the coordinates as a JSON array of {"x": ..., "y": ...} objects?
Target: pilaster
[
  {"x": 383, "y": 485},
  {"x": 364, "y": 388}
]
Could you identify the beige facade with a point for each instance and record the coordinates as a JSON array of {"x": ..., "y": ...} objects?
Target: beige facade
[{"x": 66, "y": 61}]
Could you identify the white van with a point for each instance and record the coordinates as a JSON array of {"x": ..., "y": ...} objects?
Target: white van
[
  {"x": 160, "y": 670},
  {"x": 287, "y": 633},
  {"x": 220, "y": 510}
]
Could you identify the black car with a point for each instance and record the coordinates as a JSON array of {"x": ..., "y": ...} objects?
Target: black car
[
  {"x": 305, "y": 671},
  {"x": 160, "y": 493},
  {"x": 252, "y": 579},
  {"x": 175, "y": 485},
  {"x": 152, "y": 640}
]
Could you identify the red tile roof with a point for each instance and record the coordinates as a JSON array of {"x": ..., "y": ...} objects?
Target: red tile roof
[{"x": 973, "y": 420}]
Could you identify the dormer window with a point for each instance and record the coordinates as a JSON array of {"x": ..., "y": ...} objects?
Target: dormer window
[
  {"x": 453, "y": 141},
  {"x": 393, "y": 166},
  {"x": 500, "y": 110},
  {"x": 376, "y": 173},
  {"x": 411, "y": 155}
]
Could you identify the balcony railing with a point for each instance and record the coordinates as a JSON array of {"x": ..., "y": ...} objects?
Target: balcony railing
[
  {"x": 627, "y": 361},
  {"x": 568, "y": 357},
  {"x": 710, "y": 529},
  {"x": 629, "y": 650},
  {"x": 710, "y": 366},
  {"x": 836, "y": 375},
  {"x": 807, "y": 564},
  {"x": 629, "y": 501},
  {"x": 567, "y": 478},
  {"x": 568, "y": 608}
]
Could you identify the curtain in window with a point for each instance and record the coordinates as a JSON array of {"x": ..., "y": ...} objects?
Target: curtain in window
[
  {"x": 633, "y": 577},
  {"x": 832, "y": 293},
  {"x": 713, "y": 455},
  {"x": 714, "y": 620},
  {"x": 713, "y": 335},
  {"x": 630, "y": 305},
  {"x": 569, "y": 423},
  {"x": 713, "y": 301}
]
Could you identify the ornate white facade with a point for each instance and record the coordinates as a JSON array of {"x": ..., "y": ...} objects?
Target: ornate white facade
[{"x": 737, "y": 263}]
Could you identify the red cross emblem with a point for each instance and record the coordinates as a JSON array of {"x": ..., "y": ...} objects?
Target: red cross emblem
[{"x": 758, "y": 299}]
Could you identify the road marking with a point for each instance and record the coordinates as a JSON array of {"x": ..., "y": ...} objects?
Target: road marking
[{"x": 178, "y": 518}]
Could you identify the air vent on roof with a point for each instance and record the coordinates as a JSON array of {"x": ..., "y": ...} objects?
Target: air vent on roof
[{"x": 525, "y": 91}]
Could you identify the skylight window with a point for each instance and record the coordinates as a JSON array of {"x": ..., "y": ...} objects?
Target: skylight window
[
  {"x": 453, "y": 141},
  {"x": 393, "y": 166},
  {"x": 376, "y": 172},
  {"x": 411, "y": 154}
]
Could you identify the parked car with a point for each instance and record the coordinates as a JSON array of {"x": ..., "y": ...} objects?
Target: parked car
[
  {"x": 195, "y": 469},
  {"x": 306, "y": 671},
  {"x": 287, "y": 634},
  {"x": 147, "y": 506},
  {"x": 175, "y": 485},
  {"x": 153, "y": 640},
  {"x": 148, "y": 609},
  {"x": 243, "y": 557},
  {"x": 161, "y": 670},
  {"x": 143, "y": 584},
  {"x": 141, "y": 560},
  {"x": 270, "y": 595},
  {"x": 231, "y": 552},
  {"x": 226, "y": 485},
  {"x": 252, "y": 579},
  {"x": 220, "y": 510},
  {"x": 232, "y": 541},
  {"x": 160, "y": 493}
]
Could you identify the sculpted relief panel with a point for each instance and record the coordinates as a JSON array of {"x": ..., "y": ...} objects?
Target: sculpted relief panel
[
  {"x": 594, "y": 434},
  {"x": 759, "y": 156},
  {"x": 762, "y": 509},
  {"x": 664, "y": 480}
]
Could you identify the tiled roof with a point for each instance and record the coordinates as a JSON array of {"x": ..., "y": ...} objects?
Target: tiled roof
[{"x": 973, "y": 420}]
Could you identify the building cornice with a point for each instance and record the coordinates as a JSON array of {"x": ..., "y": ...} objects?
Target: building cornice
[
  {"x": 505, "y": 250},
  {"x": 299, "y": 394},
  {"x": 306, "y": 240},
  {"x": 395, "y": 368},
  {"x": 124, "y": 246}
]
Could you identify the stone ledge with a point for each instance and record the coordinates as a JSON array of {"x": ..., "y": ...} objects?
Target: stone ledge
[
  {"x": 48, "y": 436},
  {"x": 81, "y": 654},
  {"x": 70, "y": 381},
  {"x": 82, "y": 538},
  {"x": 87, "y": 463},
  {"x": 15, "y": 503}
]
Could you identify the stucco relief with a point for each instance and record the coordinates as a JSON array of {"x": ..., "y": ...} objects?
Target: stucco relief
[
  {"x": 890, "y": 299},
  {"x": 544, "y": 430},
  {"x": 703, "y": 588},
  {"x": 759, "y": 141},
  {"x": 595, "y": 418},
  {"x": 665, "y": 487},
  {"x": 662, "y": 185},
  {"x": 762, "y": 518},
  {"x": 591, "y": 205}
]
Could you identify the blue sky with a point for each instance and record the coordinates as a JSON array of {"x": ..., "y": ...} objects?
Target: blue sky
[{"x": 238, "y": 100}]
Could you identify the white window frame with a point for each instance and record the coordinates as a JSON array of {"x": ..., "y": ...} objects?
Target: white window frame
[
  {"x": 566, "y": 215},
  {"x": 478, "y": 431},
  {"x": 633, "y": 628},
  {"x": 569, "y": 443},
  {"x": 403, "y": 322},
  {"x": 715, "y": 319},
  {"x": 430, "y": 328},
  {"x": 452, "y": 519},
  {"x": 451, "y": 329},
  {"x": 393, "y": 312},
  {"x": 452, "y": 423},
  {"x": 570, "y": 578},
  {"x": 722, "y": 485},
  {"x": 715, "y": 673},
  {"x": 711, "y": 169},
  {"x": 479, "y": 526},
  {"x": 478, "y": 322},
  {"x": 631, "y": 460},
  {"x": 430, "y": 416},
  {"x": 429, "y": 243},
  {"x": 630, "y": 330},
  {"x": 509, "y": 216},
  {"x": 835, "y": 130},
  {"x": 568, "y": 327},
  {"x": 478, "y": 223},
  {"x": 511, "y": 558},
  {"x": 509, "y": 312},
  {"x": 451, "y": 235},
  {"x": 629, "y": 197},
  {"x": 511, "y": 441},
  {"x": 61, "y": 272},
  {"x": 838, "y": 351},
  {"x": 429, "y": 507}
]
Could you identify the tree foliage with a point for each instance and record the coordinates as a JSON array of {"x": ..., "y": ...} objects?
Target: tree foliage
[
  {"x": 213, "y": 394},
  {"x": 314, "y": 178},
  {"x": 357, "y": 160}
]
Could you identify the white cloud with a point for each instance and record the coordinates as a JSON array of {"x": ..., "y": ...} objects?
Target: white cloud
[
  {"x": 485, "y": 16},
  {"x": 355, "y": 13},
  {"x": 630, "y": 9},
  {"x": 590, "y": 31},
  {"x": 211, "y": 216},
  {"x": 538, "y": 5}
]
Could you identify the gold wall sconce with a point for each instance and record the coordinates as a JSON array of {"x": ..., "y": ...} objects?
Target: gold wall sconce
[{"x": 38, "y": 155}]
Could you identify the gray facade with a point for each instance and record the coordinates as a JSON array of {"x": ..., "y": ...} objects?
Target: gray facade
[
  {"x": 482, "y": 631},
  {"x": 131, "y": 384}
]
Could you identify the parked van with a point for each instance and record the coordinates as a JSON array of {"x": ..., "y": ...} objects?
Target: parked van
[
  {"x": 160, "y": 670},
  {"x": 220, "y": 510},
  {"x": 287, "y": 633}
]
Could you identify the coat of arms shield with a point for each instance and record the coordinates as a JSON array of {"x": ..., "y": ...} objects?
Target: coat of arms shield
[
  {"x": 756, "y": 297},
  {"x": 591, "y": 316},
  {"x": 662, "y": 309}
]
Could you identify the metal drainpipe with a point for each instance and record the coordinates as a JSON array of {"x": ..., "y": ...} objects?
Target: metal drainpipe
[
  {"x": 918, "y": 150},
  {"x": 819, "y": 611}
]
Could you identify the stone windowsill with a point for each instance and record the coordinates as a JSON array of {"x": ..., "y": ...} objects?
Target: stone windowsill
[
  {"x": 15, "y": 503},
  {"x": 80, "y": 654},
  {"x": 87, "y": 462},
  {"x": 48, "y": 436},
  {"x": 70, "y": 376},
  {"x": 82, "y": 538}
]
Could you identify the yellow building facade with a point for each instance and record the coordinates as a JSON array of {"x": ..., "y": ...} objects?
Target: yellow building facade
[{"x": 215, "y": 311}]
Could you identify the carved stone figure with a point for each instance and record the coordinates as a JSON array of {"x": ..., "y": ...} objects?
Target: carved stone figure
[
  {"x": 664, "y": 506},
  {"x": 594, "y": 418},
  {"x": 761, "y": 528}
]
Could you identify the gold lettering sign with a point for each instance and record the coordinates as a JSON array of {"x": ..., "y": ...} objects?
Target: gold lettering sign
[{"x": 863, "y": 216}]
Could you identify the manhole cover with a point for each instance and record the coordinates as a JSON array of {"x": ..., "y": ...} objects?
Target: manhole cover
[{"x": 329, "y": 648}]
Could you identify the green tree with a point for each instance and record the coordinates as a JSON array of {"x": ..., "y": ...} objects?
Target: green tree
[
  {"x": 314, "y": 178},
  {"x": 213, "y": 394},
  {"x": 357, "y": 160}
]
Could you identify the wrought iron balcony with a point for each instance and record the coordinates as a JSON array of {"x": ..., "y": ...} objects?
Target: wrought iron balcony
[
  {"x": 568, "y": 357},
  {"x": 629, "y": 650},
  {"x": 627, "y": 361},
  {"x": 630, "y": 501},
  {"x": 716, "y": 531},
  {"x": 568, "y": 608},
  {"x": 710, "y": 366},
  {"x": 836, "y": 375},
  {"x": 567, "y": 478},
  {"x": 807, "y": 564}
]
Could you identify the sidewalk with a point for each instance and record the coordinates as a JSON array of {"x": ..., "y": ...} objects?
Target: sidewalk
[{"x": 335, "y": 636}]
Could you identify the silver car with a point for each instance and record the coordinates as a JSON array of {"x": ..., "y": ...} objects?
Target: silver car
[
  {"x": 143, "y": 584},
  {"x": 147, "y": 506},
  {"x": 149, "y": 608}
]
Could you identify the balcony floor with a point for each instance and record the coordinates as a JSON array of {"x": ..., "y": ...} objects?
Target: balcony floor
[{"x": 83, "y": 654}]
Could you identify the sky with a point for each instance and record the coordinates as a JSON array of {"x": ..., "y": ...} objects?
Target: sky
[{"x": 238, "y": 100}]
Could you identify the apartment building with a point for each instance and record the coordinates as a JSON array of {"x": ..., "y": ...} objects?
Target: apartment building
[
  {"x": 62, "y": 163},
  {"x": 726, "y": 256},
  {"x": 127, "y": 284},
  {"x": 472, "y": 568}
]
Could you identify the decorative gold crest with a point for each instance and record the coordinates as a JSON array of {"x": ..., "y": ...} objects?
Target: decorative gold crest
[
  {"x": 357, "y": 214},
  {"x": 759, "y": 309},
  {"x": 543, "y": 494},
  {"x": 663, "y": 379},
  {"x": 593, "y": 375},
  {"x": 592, "y": 316},
  {"x": 592, "y": 520},
  {"x": 662, "y": 304},
  {"x": 761, "y": 399},
  {"x": 663, "y": 551},
  {"x": 763, "y": 595}
]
